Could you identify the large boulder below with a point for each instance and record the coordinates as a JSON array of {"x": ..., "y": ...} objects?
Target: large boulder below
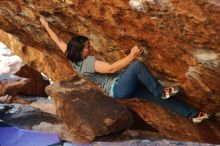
[
  {"x": 88, "y": 115},
  {"x": 37, "y": 84}
]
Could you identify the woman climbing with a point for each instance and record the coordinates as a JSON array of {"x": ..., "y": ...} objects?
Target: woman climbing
[{"x": 123, "y": 79}]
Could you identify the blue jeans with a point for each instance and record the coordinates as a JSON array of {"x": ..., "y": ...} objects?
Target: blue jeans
[{"x": 136, "y": 81}]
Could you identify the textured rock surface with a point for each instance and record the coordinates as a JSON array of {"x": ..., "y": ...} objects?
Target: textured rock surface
[
  {"x": 36, "y": 87},
  {"x": 11, "y": 84},
  {"x": 42, "y": 60},
  {"x": 173, "y": 126},
  {"x": 88, "y": 115},
  {"x": 181, "y": 38}
]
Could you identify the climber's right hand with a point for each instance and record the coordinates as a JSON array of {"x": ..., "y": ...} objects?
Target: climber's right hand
[{"x": 135, "y": 51}]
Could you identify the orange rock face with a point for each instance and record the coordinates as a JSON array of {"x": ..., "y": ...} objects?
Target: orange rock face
[
  {"x": 88, "y": 115},
  {"x": 181, "y": 39},
  {"x": 37, "y": 85}
]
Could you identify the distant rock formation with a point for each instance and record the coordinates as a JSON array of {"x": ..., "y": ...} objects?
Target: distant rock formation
[{"x": 12, "y": 66}]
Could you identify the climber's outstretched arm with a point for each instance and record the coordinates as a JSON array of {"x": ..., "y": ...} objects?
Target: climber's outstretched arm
[
  {"x": 104, "y": 67},
  {"x": 61, "y": 44}
]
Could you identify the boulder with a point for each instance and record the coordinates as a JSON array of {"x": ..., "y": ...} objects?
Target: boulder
[
  {"x": 11, "y": 84},
  {"x": 173, "y": 126},
  {"x": 36, "y": 87},
  {"x": 88, "y": 115}
]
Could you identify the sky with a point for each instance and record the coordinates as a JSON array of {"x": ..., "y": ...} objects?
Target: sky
[
  {"x": 2, "y": 45},
  {"x": 9, "y": 62}
]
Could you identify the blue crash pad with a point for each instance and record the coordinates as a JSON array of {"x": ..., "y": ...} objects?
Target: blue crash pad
[{"x": 12, "y": 136}]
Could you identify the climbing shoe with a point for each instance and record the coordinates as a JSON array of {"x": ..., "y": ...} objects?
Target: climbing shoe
[
  {"x": 202, "y": 116},
  {"x": 170, "y": 91}
]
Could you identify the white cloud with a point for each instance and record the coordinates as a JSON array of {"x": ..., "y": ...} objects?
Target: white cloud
[{"x": 9, "y": 63}]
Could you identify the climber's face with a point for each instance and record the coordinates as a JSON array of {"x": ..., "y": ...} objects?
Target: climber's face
[{"x": 86, "y": 50}]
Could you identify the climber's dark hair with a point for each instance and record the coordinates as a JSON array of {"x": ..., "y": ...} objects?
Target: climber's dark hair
[{"x": 75, "y": 47}]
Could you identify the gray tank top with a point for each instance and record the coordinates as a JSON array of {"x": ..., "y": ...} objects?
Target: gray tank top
[{"x": 86, "y": 68}]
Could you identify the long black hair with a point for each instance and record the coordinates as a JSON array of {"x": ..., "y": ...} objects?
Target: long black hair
[{"x": 75, "y": 47}]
